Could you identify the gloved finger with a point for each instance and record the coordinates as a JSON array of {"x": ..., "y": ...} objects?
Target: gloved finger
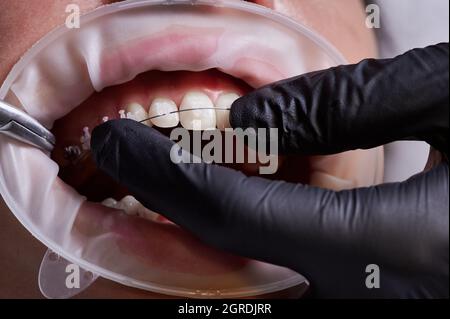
[
  {"x": 320, "y": 233},
  {"x": 356, "y": 106}
]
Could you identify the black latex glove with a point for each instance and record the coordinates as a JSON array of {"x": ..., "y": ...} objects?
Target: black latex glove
[{"x": 330, "y": 237}]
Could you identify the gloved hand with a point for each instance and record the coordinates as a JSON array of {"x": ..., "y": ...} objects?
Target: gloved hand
[{"x": 330, "y": 237}]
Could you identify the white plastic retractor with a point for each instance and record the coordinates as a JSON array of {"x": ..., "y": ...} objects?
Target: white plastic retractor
[{"x": 61, "y": 279}]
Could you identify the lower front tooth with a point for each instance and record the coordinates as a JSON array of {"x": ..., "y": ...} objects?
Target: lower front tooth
[
  {"x": 161, "y": 109},
  {"x": 110, "y": 202},
  {"x": 131, "y": 207},
  {"x": 129, "y": 204},
  {"x": 202, "y": 117},
  {"x": 329, "y": 181},
  {"x": 138, "y": 113},
  {"x": 224, "y": 101},
  {"x": 146, "y": 213}
]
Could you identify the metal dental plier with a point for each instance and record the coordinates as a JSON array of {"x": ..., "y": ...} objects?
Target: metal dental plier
[{"x": 21, "y": 126}]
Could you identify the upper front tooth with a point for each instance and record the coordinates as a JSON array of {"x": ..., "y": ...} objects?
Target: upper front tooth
[
  {"x": 137, "y": 112},
  {"x": 163, "y": 106},
  {"x": 203, "y": 117},
  {"x": 224, "y": 101}
]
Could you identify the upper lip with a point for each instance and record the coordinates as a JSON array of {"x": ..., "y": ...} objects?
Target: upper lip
[{"x": 183, "y": 48}]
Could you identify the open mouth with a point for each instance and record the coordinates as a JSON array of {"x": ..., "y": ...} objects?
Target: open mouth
[
  {"x": 199, "y": 96},
  {"x": 153, "y": 98},
  {"x": 159, "y": 65}
]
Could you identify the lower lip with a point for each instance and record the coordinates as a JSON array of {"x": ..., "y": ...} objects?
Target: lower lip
[
  {"x": 163, "y": 253},
  {"x": 161, "y": 246}
]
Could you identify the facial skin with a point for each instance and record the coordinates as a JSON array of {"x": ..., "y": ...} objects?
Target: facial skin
[{"x": 23, "y": 22}]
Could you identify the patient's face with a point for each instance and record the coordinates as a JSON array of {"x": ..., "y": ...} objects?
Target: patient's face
[{"x": 24, "y": 22}]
